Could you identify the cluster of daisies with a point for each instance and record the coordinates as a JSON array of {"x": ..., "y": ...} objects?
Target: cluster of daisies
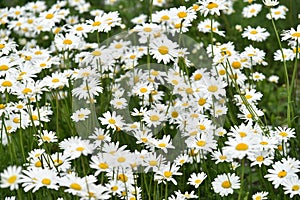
[{"x": 161, "y": 101}]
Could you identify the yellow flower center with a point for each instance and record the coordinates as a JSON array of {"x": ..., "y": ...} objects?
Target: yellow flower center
[
  {"x": 26, "y": 91},
  {"x": 38, "y": 164},
  {"x": 236, "y": 65},
  {"x": 283, "y": 134},
  {"x": 153, "y": 163},
  {"x": 212, "y": 5},
  {"x": 122, "y": 177},
  {"x": 174, "y": 114},
  {"x": 162, "y": 145},
  {"x": 282, "y": 174},
  {"x": 189, "y": 90},
  {"x": 295, "y": 187},
  {"x": 67, "y": 41},
  {"x": 201, "y": 101},
  {"x": 12, "y": 179},
  {"x": 46, "y": 138},
  {"x": 55, "y": 80},
  {"x": 34, "y": 117},
  {"x": 96, "y": 23},
  {"x": 118, "y": 46},
  {"x": 80, "y": 149},
  {"x": 165, "y": 18},
  {"x": 6, "y": 84},
  {"x": 121, "y": 159},
  {"x": 182, "y": 14},
  {"x": 163, "y": 50},
  {"x": 46, "y": 181},
  {"x": 79, "y": 28},
  {"x": 96, "y": 53},
  {"x": 75, "y": 186},
  {"x": 241, "y": 147},
  {"x": 222, "y": 157},
  {"x": 111, "y": 121},
  {"x": 154, "y": 118},
  {"x": 4, "y": 67},
  {"x": 260, "y": 158},
  {"x": 2, "y": 46},
  {"x": 147, "y": 29},
  {"x": 212, "y": 88},
  {"x": 201, "y": 143},
  {"x": 143, "y": 90},
  {"x": 198, "y": 181},
  {"x": 167, "y": 174},
  {"x": 253, "y": 32},
  {"x": 49, "y": 16},
  {"x": 114, "y": 188},
  {"x": 243, "y": 134},
  {"x": 226, "y": 184},
  {"x": 296, "y": 34},
  {"x": 264, "y": 143},
  {"x": 197, "y": 77},
  {"x": 103, "y": 165}
]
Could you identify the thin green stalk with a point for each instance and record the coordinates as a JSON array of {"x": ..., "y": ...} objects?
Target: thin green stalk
[
  {"x": 166, "y": 191},
  {"x": 285, "y": 72},
  {"x": 242, "y": 179}
]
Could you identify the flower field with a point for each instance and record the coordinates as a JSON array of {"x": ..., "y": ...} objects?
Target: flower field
[{"x": 150, "y": 99}]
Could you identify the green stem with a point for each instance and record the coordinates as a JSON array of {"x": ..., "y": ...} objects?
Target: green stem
[{"x": 242, "y": 179}]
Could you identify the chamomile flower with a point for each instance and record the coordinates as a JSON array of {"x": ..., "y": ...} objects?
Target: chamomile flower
[
  {"x": 167, "y": 173},
  {"x": 47, "y": 137},
  {"x": 212, "y": 7},
  {"x": 112, "y": 120},
  {"x": 292, "y": 186},
  {"x": 224, "y": 184},
  {"x": 270, "y": 3},
  {"x": 81, "y": 114},
  {"x": 278, "y": 13},
  {"x": 196, "y": 179},
  {"x": 284, "y": 133},
  {"x": 163, "y": 49},
  {"x": 75, "y": 147},
  {"x": 291, "y": 34},
  {"x": 35, "y": 178},
  {"x": 255, "y": 34},
  {"x": 67, "y": 42},
  {"x": 260, "y": 195},
  {"x": 10, "y": 177},
  {"x": 251, "y": 10},
  {"x": 207, "y": 26}
]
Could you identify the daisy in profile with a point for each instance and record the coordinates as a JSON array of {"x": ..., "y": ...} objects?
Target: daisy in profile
[
  {"x": 292, "y": 34},
  {"x": 285, "y": 54},
  {"x": 224, "y": 184},
  {"x": 196, "y": 179},
  {"x": 163, "y": 49},
  {"x": 270, "y": 3},
  {"x": 260, "y": 195},
  {"x": 207, "y": 26},
  {"x": 212, "y": 7},
  {"x": 10, "y": 177},
  {"x": 81, "y": 114},
  {"x": 257, "y": 34},
  {"x": 251, "y": 10}
]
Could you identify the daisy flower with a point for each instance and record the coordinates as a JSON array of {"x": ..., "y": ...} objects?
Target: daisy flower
[
  {"x": 196, "y": 179},
  {"x": 10, "y": 177},
  {"x": 281, "y": 172},
  {"x": 81, "y": 114},
  {"x": 257, "y": 34},
  {"x": 47, "y": 137},
  {"x": 7, "y": 46},
  {"x": 224, "y": 184},
  {"x": 257, "y": 76},
  {"x": 167, "y": 173},
  {"x": 111, "y": 120},
  {"x": 288, "y": 55},
  {"x": 163, "y": 49},
  {"x": 88, "y": 89},
  {"x": 75, "y": 147},
  {"x": 36, "y": 178},
  {"x": 153, "y": 118},
  {"x": 291, "y": 34},
  {"x": 284, "y": 133},
  {"x": 212, "y": 7},
  {"x": 67, "y": 42},
  {"x": 251, "y": 10},
  {"x": 207, "y": 26},
  {"x": 278, "y": 13},
  {"x": 292, "y": 186},
  {"x": 240, "y": 147},
  {"x": 143, "y": 89},
  {"x": 271, "y": 3},
  {"x": 260, "y": 195},
  {"x": 163, "y": 144}
]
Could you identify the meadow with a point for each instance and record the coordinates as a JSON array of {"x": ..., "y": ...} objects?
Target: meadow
[{"x": 149, "y": 99}]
